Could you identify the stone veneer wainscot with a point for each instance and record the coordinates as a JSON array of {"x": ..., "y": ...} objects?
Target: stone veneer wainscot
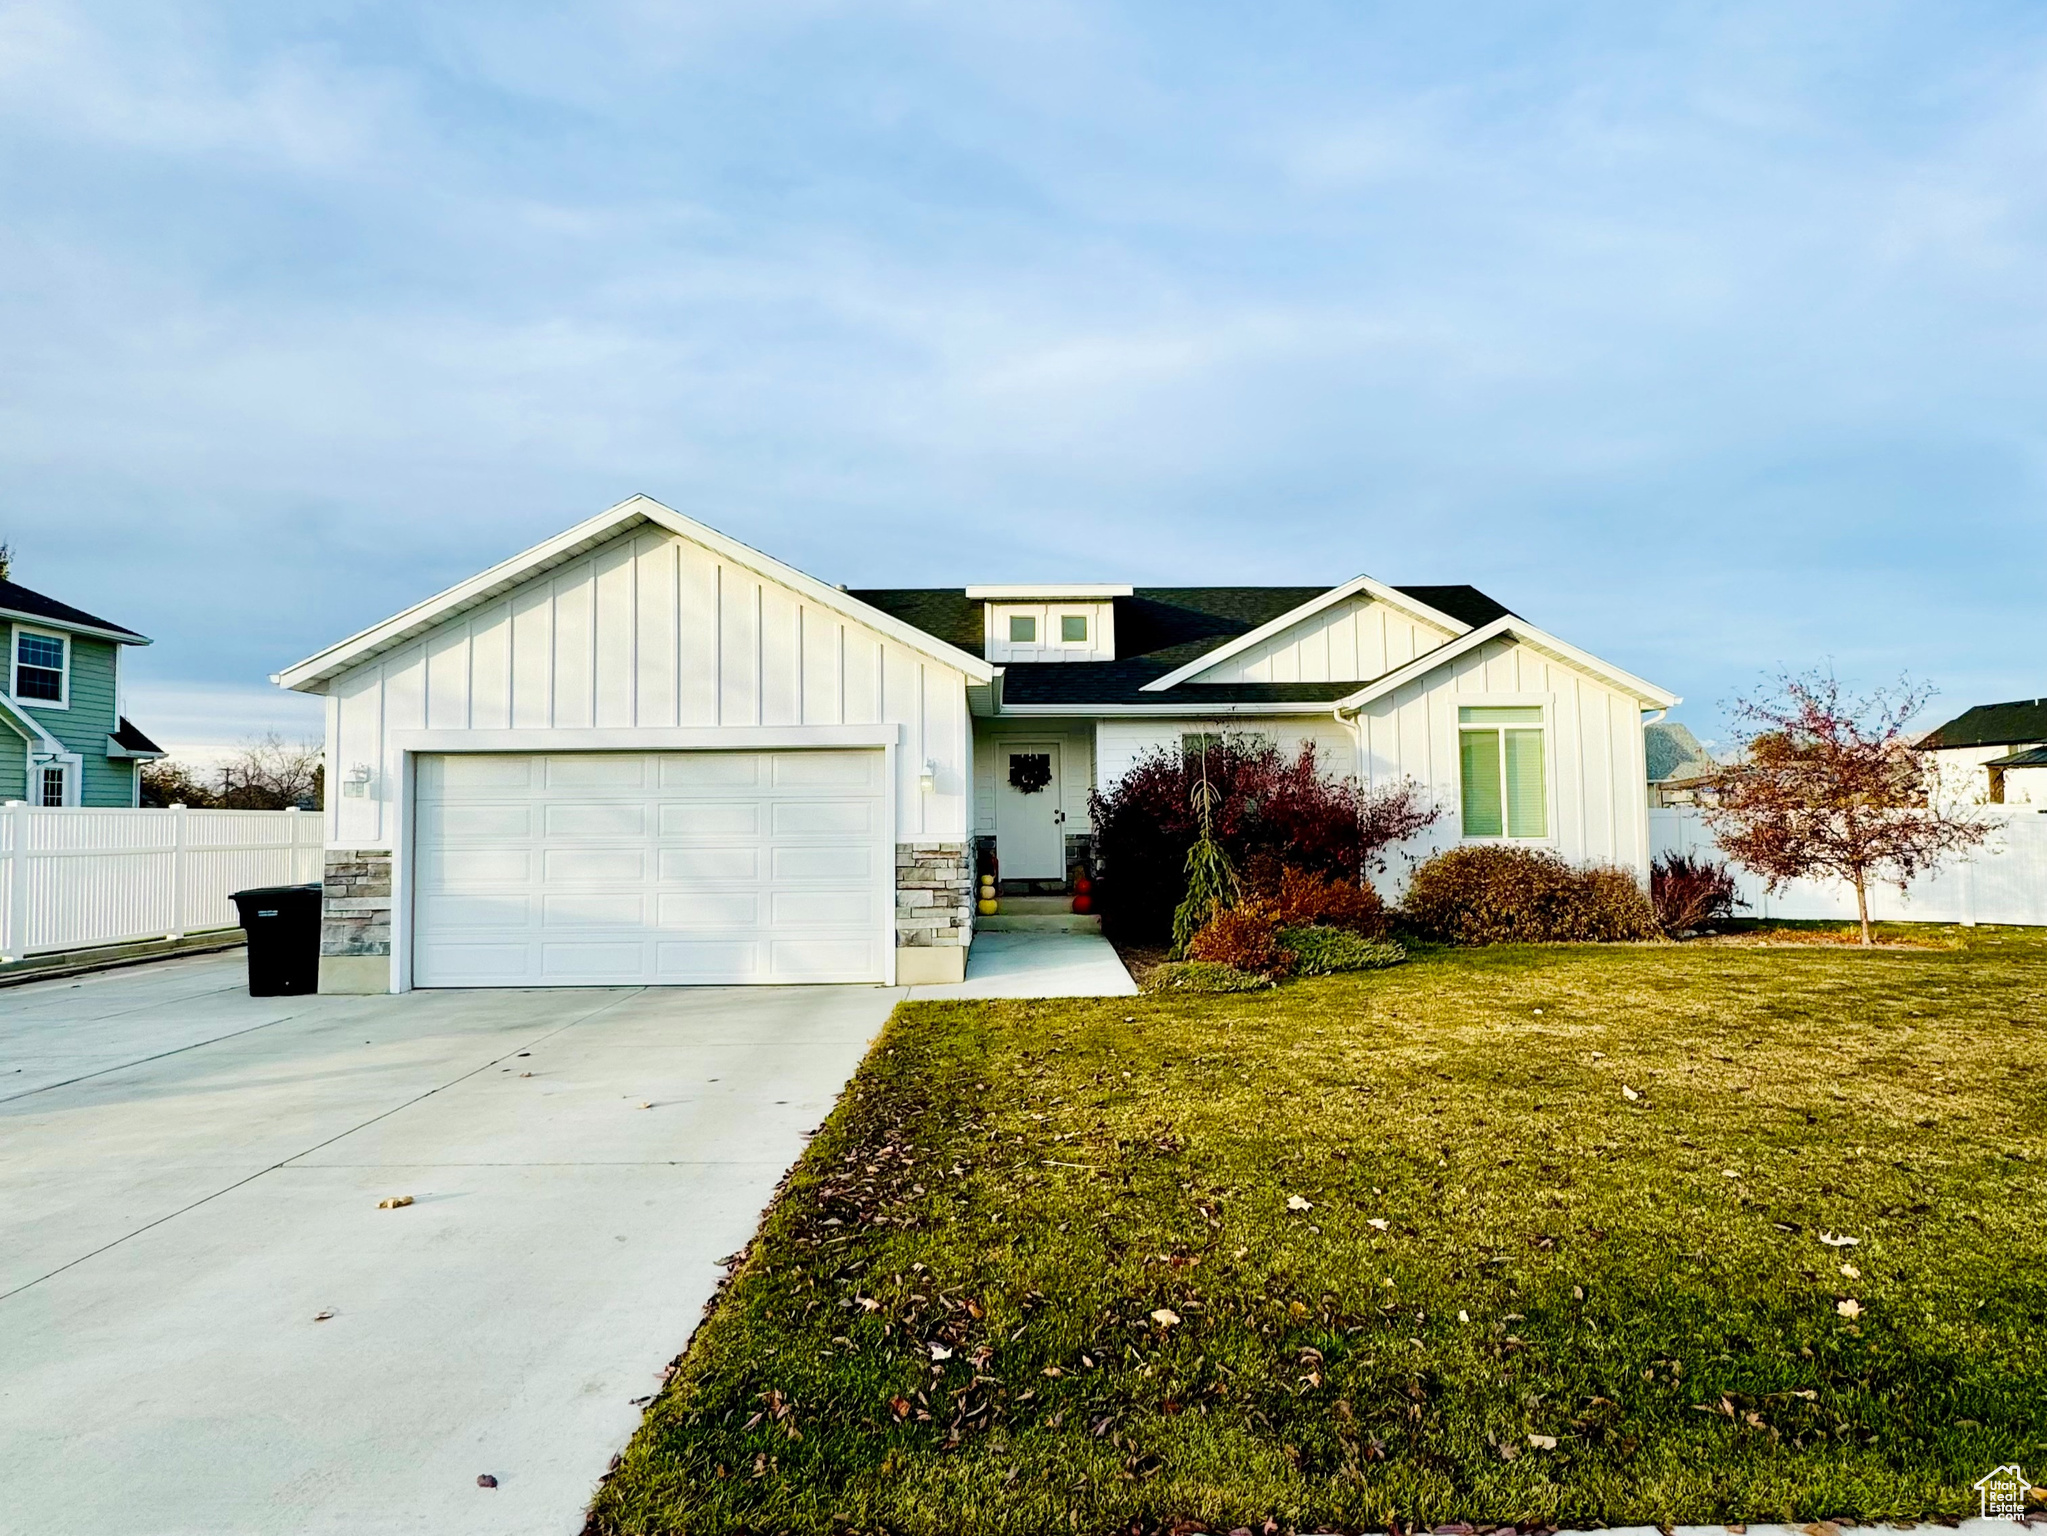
[
  {"x": 355, "y": 921},
  {"x": 934, "y": 912}
]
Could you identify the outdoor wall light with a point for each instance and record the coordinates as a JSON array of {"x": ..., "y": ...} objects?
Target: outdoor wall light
[
  {"x": 356, "y": 782},
  {"x": 927, "y": 781}
]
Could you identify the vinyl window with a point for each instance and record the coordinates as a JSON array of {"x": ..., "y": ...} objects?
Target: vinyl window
[
  {"x": 1073, "y": 628},
  {"x": 50, "y": 786},
  {"x": 39, "y": 667},
  {"x": 1501, "y": 768},
  {"x": 1023, "y": 629}
]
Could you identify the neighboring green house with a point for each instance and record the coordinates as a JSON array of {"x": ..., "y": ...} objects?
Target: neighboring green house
[{"x": 65, "y": 742}]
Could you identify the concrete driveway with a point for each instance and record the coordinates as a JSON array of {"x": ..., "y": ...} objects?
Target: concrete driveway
[{"x": 189, "y": 1178}]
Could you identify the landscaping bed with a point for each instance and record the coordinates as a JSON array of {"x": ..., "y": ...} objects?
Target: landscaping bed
[{"x": 1552, "y": 1236}]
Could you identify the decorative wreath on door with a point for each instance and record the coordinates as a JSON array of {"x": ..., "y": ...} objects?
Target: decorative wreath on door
[{"x": 1029, "y": 772}]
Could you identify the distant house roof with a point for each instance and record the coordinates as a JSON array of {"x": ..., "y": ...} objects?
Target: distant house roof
[
  {"x": 1158, "y": 630},
  {"x": 1991, "y": 725},
  {"x": 17, "y": 601},
  {"x": 1674, "y": 753},
  {"x": 2032, "y": 757}
]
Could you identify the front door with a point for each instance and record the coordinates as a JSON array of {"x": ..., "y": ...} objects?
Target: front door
[{"x": 1030, "y": 840}]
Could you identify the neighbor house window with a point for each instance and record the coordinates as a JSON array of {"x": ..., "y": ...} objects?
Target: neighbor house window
[
  {"x": 51, "y": 790},
  {"x": 1023, "y": 629},
  {"x": 39, "y": 667},
  {"x": 1500, "y": 761},
  {"x": 1073, "y": 628}
]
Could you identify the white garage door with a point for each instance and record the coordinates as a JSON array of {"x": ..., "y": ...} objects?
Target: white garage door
[{"x": 616, "y": 868}]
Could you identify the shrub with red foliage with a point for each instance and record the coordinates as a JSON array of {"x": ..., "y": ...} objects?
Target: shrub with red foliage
[
  {"x": 1246, "y": 937},
  {"x": 1268, "y": 803},
  {"x": 1690, "y": 892},
  {"x": 1487, "y": 894},
  {"x": 1303, "y": 899}
]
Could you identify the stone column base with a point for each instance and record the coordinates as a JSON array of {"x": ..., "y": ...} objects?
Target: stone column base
[
  {"x": 357, "y": 974},
  {"x": 927, "y": 965}
]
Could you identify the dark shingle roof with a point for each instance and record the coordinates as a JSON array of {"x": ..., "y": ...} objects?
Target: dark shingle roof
[
  {"x": 1158, "y": 629},
  {"x": 1992, "y": 725},
  {"x": 19, "y": 599},
  {"x": 132, "y": 739},
  {"x": 2032, "y": 757}
]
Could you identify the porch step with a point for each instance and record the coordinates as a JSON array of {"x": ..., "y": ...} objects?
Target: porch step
[
  {"x": 1036, "y": 906},
  {"x": 1011, "y": 921}
]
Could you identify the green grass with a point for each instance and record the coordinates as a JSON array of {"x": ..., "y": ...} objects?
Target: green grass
[{"x": 1027, "y": 1184}]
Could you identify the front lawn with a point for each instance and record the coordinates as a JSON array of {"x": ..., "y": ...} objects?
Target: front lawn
[{"x": 1515, "y": 1235}]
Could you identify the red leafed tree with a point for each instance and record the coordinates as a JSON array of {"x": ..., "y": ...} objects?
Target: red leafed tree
[{"x": 1829, "y": 787}]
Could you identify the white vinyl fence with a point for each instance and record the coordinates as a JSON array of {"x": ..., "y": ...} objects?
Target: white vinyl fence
[
  {"x": 2004, "y": 881},
  {"x": 72, "y": 878}
]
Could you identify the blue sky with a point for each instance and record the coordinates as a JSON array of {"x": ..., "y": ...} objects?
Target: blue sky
[{"x": 1710, "y": 337}]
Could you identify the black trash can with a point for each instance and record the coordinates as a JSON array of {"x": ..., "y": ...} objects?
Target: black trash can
[{"x": 283, "y": 925}]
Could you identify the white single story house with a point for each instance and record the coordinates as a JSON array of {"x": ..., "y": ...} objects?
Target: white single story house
[
  {"x": 1993, "y": 754},
  {"x": 641, "y": 752}
]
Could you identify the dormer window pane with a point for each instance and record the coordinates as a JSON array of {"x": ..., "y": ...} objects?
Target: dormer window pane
[
  {"x": 1073, "y": 628},
  {"x": 1023, "y": 629}
]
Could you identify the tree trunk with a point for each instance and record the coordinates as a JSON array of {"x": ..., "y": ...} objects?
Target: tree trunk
[{"x": 1862, "y": 908}]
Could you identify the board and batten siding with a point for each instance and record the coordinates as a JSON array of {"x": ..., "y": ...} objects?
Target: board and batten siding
[
  {"x": 1595, "y": 762},
  {"x": 1076, "y": 765},
  {"x": 1355, "y": 640},
  {"x": 650, "y": 631}
]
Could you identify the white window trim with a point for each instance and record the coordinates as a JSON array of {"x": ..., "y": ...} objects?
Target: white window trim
[
  {"x": 14, "y": 667},
  {"x": 1086, "y": 642},
  {"x": 74, "y": 776},
  {"x": 1546, "y": 702},
  {"x": 1035, "y": 620}
]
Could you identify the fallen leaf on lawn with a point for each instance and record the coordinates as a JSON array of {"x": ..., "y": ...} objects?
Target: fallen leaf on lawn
[
  {"x": 868, "y": 1303},
  {"x": 392, "y": 1204},
  {"x": 1851, "y": 1271},
  {"x": 1240, "y": 1253},
  {"x": 1835, "y": 1240},
  {"x": 322, "y": 1315},
  {"x": 1376, "y": 1223},
  {"x": 1463, "y": 1317},
  {"x": 1850, "y": 1309},
  {"x": 1538, "y": 1010},
  {"x": 1629, "y": 1093},
  {"x": 1166, "y": 1317},
  {"x": 900, "y": 1407},
  {"x": 1054, "y": 1372},
  {"x": 485, "y": 1480},
  {"x": 940, "y": 1352},
  {"x": 1296, "y": 1203},
  {"x": 1543, "y": 1442},
  {"x": 1729, "y": 1173}
]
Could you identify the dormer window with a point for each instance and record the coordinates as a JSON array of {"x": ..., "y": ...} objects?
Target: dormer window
[
  {"x": 1023, "y": 629},
  {"x": 1073, "y": 629},
  {"x": 1035, "y": 624},
  {"x": 39, "y": 667}
]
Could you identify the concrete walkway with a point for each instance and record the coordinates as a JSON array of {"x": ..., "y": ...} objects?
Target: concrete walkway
[
  {"x": 189, "y": 1180},
  {"x": 1038, "y": 965}
]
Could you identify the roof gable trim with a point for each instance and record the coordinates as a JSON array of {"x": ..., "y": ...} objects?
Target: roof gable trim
[
  {"x": 312, "y": 674},
  {"x": 1378, "y": 591},
  {"x": 1519, "y": 629}
]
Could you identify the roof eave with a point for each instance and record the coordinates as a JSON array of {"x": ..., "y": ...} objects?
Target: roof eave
[
  {"x": 1647, "y": 692},
  {"x": 314, "y": 673},
  {"x": 1393, "y": 597},
  {"x": 72, "y": 627}
]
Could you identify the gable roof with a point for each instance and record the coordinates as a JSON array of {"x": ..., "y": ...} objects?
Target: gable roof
[
  {"x": 1519, "y": 629},
  {"x": 18, "y": 602},
  {"x": 314, "y": 673},
  {"x": 1991, "y": 725},
  {"x": 2032, "y": 757},
  {"x": 1157, "y": 629},
  {"x": 1279, "y": 623}
]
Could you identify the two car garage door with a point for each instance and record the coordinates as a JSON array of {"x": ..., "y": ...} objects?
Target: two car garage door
[{"x": 616, "y": 868}]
